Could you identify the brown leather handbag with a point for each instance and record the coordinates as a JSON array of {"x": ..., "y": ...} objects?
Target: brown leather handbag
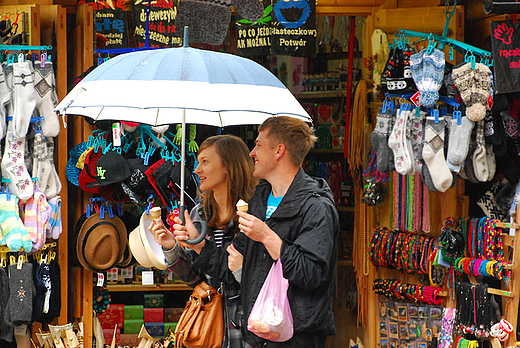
[{"x": 202, "y": 322}]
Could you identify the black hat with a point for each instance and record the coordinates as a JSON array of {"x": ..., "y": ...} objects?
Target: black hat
[
  {"x": 137, "y": 180},
  {"x": 110, "y": 168}
]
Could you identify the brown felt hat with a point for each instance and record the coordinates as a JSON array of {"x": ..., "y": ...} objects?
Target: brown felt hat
[{"x": 101, "y": 242}]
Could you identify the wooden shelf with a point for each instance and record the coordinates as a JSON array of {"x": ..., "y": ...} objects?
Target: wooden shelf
[
  {"x": 322, "y": 94},
  {"x": 157, "y": 287},
  {"x": 347, "y": 209},
  {"x": 321, "y": 151},
  {"x": 345, "y": 263}
]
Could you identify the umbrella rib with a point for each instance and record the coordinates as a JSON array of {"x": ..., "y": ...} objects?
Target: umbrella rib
[
  {"x": 157, "y": 116},
  {"x": 99, "y": 113}
]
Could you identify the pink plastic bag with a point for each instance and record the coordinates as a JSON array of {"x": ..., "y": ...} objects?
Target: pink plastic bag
[{"x": 271, "y": 316}]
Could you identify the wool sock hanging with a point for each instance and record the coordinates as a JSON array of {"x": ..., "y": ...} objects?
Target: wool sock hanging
[
  {"x": 6, "y": 331},
  {"x": 433, "y": 154},
  {"x": 21, "y": 291},
  {"x": 24, "y": 97},
  {"x": 480, "y": 90},
  {"x": 208, "y": 20},
  {"x": 379, "y": 139},
  {"x": 39, "y": 292},
  {"x": 426, "y": 178},
  {"x": 402, "y": 162},
  {"x": 54, "y": 227},
  {"x": 433, "y": 74},
  {"x": 416, "y": 138},
  {"x": 46, "y": 98},
  {"x": 5, "y": 97},
  {"x": 55, "y": 299},
  {"x": 15, "y": 233},
  {"x": 54, "y": 185},
  {"x": 37, "y": 213},
  {"x": 458, "y": 143},
  {"x": 480, "y": 165},
  {"x": 13, "y": 167}
]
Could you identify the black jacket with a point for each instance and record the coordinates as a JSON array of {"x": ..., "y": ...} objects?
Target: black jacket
[{"x": 307, "y": 222}]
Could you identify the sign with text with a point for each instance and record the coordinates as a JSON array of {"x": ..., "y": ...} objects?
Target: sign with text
[
  {"x": 287, "y": 28},
  {"x": 161, "y": 23},
  {"x": 505, "y": 42},
  {"x": 110, "y": 23}
]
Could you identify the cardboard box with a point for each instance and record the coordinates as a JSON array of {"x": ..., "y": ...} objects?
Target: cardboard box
[
  {"x": 134, "y": 312},
  {"x": 115, "y": 314},
  {"x": 153, "y": 300},
  {"x": 153, "y": 315},
  {"x": 172, "y": 315},
  {"x": 132, "y": 326},
  {"x": 155, "y": 329}
]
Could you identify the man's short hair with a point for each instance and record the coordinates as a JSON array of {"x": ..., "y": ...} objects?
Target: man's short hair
[{"x": 294, "y": 133}]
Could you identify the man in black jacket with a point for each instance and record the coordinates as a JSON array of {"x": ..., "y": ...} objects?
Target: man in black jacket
[{"x": 291, "y": 217}]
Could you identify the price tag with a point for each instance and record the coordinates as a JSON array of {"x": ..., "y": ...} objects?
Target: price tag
[
  {"x": 100, "y": 279},
  {"x": 148, "y": 278},
  {"x": 116, "y": 134}
]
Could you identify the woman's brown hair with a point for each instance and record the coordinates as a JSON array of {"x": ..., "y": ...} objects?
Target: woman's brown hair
[{"x": 234, "y": 156}]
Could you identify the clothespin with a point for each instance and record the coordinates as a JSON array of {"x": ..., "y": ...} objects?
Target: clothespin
[
  {"x": 435, "y": 114},
  {"x": 457, "y": 114},
  {"x": 150, "y": 204},
  {"x": 87, "y": 208},
  {"x": 19, "y": 264},
  {"x": 451, "y": 53},
  {"x": 431, "y": 44},
  {"x": 110, "y": 211},
  {"x": 99, "y": 61},
  {"x": 8, "y": 193},
  {"x": 43, "y": 60},
  {"x": 102, "y": 212},
  {"x": 120, "y": 209},
  {"x": 417, "y": 111},
  {"x": 21, "y": 59},
  {"x": 385, "y": 104}
]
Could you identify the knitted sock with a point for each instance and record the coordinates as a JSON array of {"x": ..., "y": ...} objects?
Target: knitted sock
[
  {"x": 6, "y": 331},
  {"x": 54, "y": 185},
  {"x": 416, "y": 126},
  {"x": 24, "y": 97},
  {"x": 379, "y": 139},
  {"x": 480, "y": 89},
  {"x": 480, "y": 165},
  {"x": 458, "y": 143},
  {"x": 425, "y": 173},
  {"x": 252, "y": 10},
  {"x": 208, "y": 20},
  {"x": 402, "y": 162},
  {"x": 37, "y": 213},
  {"x": 5, "y": 97},
  {"x": 27, "y": 154},
  {"x": 55, "y": 299},
  {"x": 15, "y": 233},
  {"x": 40, "y": 170},
  {"x": 54, "y": 227},
  {"x": 433, "y": 154},
  {"x": 463, "y": 79},
  {"x": 491, "y": 161},
  {"x": 21, "y": 292},
  {"x": 46, "y": 98},
  {"x": 13, "y": 167},
  {"x": 39, "y": 291}
]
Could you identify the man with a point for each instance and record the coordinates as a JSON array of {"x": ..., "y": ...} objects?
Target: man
[{"x": 291, "y": 217}]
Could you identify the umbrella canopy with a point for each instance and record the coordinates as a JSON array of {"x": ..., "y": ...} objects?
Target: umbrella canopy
[{"x": 155, "y": 87}]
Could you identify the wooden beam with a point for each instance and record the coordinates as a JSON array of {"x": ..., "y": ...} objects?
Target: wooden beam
[{"x": 332, "y": 10}]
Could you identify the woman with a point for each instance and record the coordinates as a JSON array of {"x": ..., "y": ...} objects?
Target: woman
[{"x": 225, "y": 172}]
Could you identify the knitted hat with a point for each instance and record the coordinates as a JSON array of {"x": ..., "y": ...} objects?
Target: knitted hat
[
  {"x": 208, "y": 20},
  {"x": 72, "y": 172},
  {"x": 428, "y": 72}
]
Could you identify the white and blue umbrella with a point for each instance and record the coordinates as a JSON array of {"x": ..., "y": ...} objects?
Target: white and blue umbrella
[{"x": 181, "y": 85}]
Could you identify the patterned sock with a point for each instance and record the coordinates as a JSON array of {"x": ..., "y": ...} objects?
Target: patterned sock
[
  {"x": 480, "y": 88},
  {"x": 15, "y": 233},
  {"x": 402, "y": 162},
  {"x": 379, "y": 139},
  {"x": 24, "y": 97},
  {"x": 13, "y": 167},
  {"x": 54, "y": 185},
  {"x": 5, "y": 97},
  {"x": 54, "y": 227},
  {"x": 463, "y": 79},
  {"x": 433, "y": 154},
  {"x": 425, "y": 173},
  {"x": 480, "y": 165},
  {"x": 6, "y": 331},
  {"x": 37, "y": 213},
  {"x": 46, "y": 100},
  {"x": 416, "y": 126},
  {"x": 208, "y": 20},
  {"x": 39, "y": 291},
  {"x": 55, "y": 300},
  {"x": 432, "y": 75},
  {"x": 21, "y": 292},
  {"x": 458, "y": 143}
]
